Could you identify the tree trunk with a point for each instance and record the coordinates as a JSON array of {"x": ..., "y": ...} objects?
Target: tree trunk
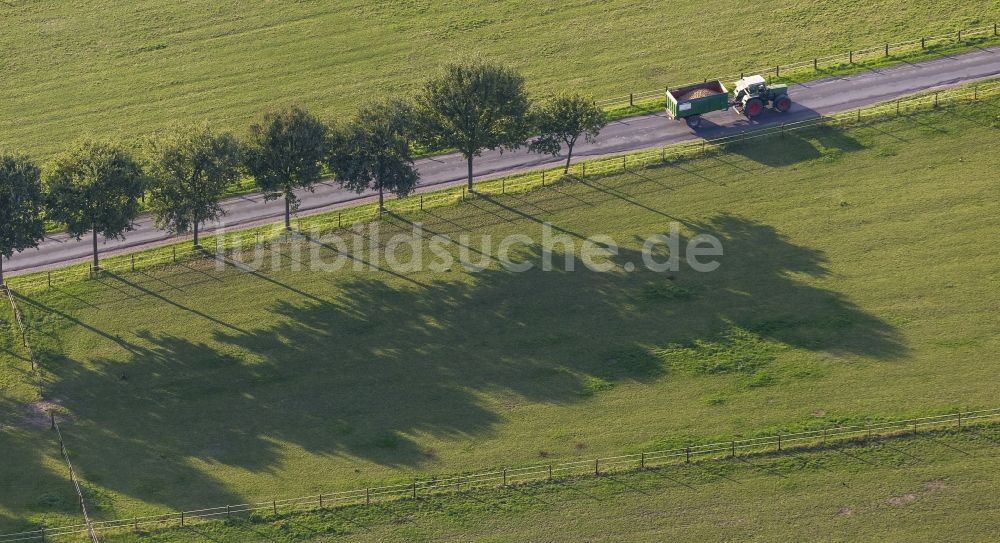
[
  {"x": 381, "y": 200},
  {"x": 1, "y": 270},
  {"x": 569, "y": 156},
  {"x": 196, "y": 234},
  {"x": 288, "y": 213},
  {"x": 97, "y": 264},
  {"x": 470, "y": 173}
]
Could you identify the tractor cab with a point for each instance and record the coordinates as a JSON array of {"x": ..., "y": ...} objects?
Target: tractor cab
[
  {"x": 750, "y": 85},
  {"x": 752, "y": 94}
]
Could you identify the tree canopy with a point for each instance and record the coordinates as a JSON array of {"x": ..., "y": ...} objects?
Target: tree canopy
[
  {"x": 284, "y": 153},
  {"x": 372, "y": 151},
  {"x": 95, "y": 187},
  {"x": 474, "y": 106},
  {"x": 22, "y": 206},
  {"x": 562, "y": 120},
  {"x": 190, "y": 168}
]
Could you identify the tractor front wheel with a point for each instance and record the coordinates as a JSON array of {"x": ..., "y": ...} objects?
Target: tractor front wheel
[
  {"x": 753, "y": 107},
  {"x": 783, "y": 103},
  {"x": 693, "y": 122}
]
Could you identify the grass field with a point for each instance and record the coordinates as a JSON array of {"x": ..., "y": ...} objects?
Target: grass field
[
  {"x": 935, "y": 487},
  {"x": 112, "y": 67},
  {"x": 857, "y": 281}
]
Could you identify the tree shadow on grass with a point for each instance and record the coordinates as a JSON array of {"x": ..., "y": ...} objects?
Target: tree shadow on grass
[{"x": 365, "y": 375}]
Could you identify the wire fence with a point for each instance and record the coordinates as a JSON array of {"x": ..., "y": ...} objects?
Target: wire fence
[
  {"x": 502, "y": 477},
  {"x": 19, "y": 320},
  {"x": 263, "y": 237},
  {"x": 830, "y": 62},
  {"x": 87, "y": 526}
]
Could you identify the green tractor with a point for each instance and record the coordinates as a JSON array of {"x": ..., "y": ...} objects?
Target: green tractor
[{"x": 752, "y": 94}]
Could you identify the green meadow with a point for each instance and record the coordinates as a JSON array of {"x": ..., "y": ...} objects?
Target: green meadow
[
  {"x": 858, "y": 280},
  {"x": 127, "y": 68},
  {"x": 940, "y": 486}
]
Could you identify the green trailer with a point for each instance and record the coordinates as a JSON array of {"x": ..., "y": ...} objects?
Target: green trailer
[{"x": 690, "y": 102}]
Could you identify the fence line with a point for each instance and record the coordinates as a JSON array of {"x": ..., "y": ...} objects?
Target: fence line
[
  {"x": 351, "y": 216},
  {"x": 19, "y": 319},
  {"x": 498, "y": 478},
  {"x": 88, "y": 526},
  {"x": 817, "y": 63}
]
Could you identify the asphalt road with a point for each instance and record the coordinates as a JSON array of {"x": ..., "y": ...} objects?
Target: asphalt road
[{"x": 811, "y": 99}]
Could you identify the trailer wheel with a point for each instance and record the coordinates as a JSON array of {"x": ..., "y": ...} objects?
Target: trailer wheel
[
  {"x": 783, "y": 103},
  {"x": 753, "y": 107},
  {"x": 693, "y": 121}
]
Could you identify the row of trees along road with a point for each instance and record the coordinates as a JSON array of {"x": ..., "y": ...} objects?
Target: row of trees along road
[{"x": 96, "y": 186}]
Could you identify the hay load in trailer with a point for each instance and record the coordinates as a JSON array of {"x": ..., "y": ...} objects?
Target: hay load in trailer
[{"x": 692, "y": 101}]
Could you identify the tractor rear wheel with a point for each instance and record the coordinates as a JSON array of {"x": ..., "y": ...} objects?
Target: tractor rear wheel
[
  {"x": 753, "y": 107},
  {"x": 693, "y": 122},
  {"x": 783, "y": 103}
]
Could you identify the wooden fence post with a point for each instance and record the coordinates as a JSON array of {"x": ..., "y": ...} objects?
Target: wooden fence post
[
  {"x": 734, "y": 448},
  {"x": 631, "y": 99},
  {"x": 175, "y": 253},
  {"x": 274, "y": 507},
  {"x": 368, "y": 496},
  {"x": 623, "y": 162},
  {"x": 50, "y": 279},
  {"x": 816, "y": 64},
  {"x": 597, "y": 467},
  {"x": 182, "y": 518},
  {"x": 133, "y": 262},
  {"x": 959, "y": 419},
  {"x": 687, "y": 455},
  {"x": 504, "y": 477},
  {"x": 414, "y": 490},
  {"x": 543, "y": 178},
  {"x": 642, "y": 460},
  {"x": 777, "y": 70},
  {"x": 421, "y": 202},
  {"x": 923, "y": 43},
  {"x": 584, "y": 170},
  {"x": 321, "y": 500},
  {"x": 959, "y": 36},
  {"x": 229, "y": 511},
  {"x": 850, "y": 57},
  {"x": 779, "y": 442}
]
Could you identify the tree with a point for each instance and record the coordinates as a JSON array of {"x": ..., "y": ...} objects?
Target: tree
[
  {"x": 95, "y": 187},
  {"x": 284, "y": 153},
  {"x": 22, "y": 204},
  {"x": 373, "y": 151},
  {"x": 475, "y": 106},
  {"x": 190, "y": 168},
  {"x": 562, "y": 120}
]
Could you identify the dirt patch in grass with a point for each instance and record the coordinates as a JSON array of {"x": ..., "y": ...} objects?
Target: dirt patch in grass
[
  {"x": 905, "y": 499},
  {"x": 845, "y": 512},
  {"x": 36, "y": 414}
]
